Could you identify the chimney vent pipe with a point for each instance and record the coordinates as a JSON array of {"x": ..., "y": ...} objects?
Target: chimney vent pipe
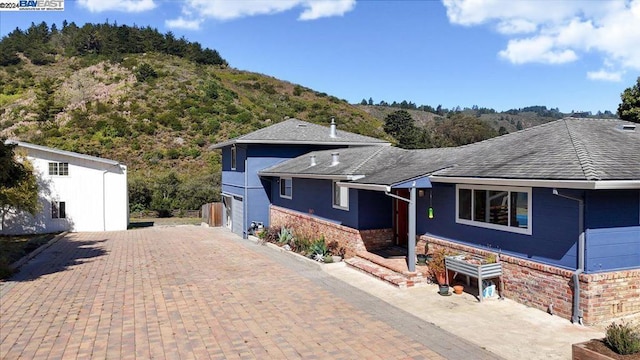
[{"x": 335, "y": 158}]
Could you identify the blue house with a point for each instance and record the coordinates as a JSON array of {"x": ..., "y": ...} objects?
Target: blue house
[
  {"x": 246, "y": 197},
  {"x": 559, "y": 204}
]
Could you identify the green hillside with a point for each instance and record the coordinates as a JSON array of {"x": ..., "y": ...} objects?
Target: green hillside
[{"x": 155, "y": 111}]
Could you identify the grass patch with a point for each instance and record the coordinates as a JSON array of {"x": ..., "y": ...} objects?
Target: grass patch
[{"x": 13, "y": 248}]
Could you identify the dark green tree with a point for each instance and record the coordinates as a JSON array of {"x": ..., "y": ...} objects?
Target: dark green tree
[
  {"x": 400, "y": 125},
  {"x": 12, "y": 171},
  {"x": 363, "y": 102},
  {"x": 370, "y": 101},
  {"x": 145, "y": 72},
  {"x": 629, "y": 108},
  {"x": 164, "y": 194}
]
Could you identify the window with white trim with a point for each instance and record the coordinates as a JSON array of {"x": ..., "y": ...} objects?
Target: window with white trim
[
  {"x": 58, "y": 210},
  {"x": 340, "y": 196},
  {"x": 286, "y": 188},
  {"x": 59, "y": 168},
  {"x": 494, "y": 207},
  {"x": 234, "y": 155}
]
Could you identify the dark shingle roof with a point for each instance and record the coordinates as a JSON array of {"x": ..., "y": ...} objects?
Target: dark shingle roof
[
  {"x": 294, "y": 131},
  {"x": 567, "y": 149}
]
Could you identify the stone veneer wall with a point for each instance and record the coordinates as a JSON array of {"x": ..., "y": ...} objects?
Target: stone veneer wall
[
  {"x": 603, "y": 296},
  {"x": 352, "y": 240}
]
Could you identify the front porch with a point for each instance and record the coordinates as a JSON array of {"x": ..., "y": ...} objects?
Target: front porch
[{"x": 390, "y": 265}]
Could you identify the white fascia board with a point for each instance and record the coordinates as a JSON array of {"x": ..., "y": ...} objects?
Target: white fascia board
[
  {"x": 312, "y": 176},
  {"x": 373, "y": 187},
  {"x": 566, "y": 184},
  {"x": 62, "y": 152}
]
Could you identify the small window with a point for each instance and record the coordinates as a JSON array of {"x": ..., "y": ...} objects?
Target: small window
[
  {"x": 340, "y": 197},
  {"x": 286, "y": 188},
  {"x": 233, "y": 157},
  {"x": 58, "y": 210},
  {"x": 493, "y": 207},
  {"x": 59, "y": 169}
]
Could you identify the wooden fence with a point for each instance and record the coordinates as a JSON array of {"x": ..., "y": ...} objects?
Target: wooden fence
[{"x": 212, "y": 214}]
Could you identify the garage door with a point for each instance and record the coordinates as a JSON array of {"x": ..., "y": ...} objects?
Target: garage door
[{"x": 236, "y": 213}]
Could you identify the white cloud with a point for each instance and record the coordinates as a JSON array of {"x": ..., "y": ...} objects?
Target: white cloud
[
  {"x": 326, "y": 8},
  {"x": 181, "y": 23},
  {"x": 605, "y": 75},
  {"x": 559, "y": 31},
  {"x": 229, "y": 10},
  {"x": 536, "y": 49},
  {"x": 117, "y": 5},
  {"x": 517, "y": 26}
]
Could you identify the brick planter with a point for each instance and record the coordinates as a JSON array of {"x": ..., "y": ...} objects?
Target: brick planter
[
  {"x": 352, "y": 240},
  {"x": 603, "y": 296}
]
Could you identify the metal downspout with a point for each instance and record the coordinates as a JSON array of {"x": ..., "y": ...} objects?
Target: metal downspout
[
  {"x": 577, "y": 311},
  {"x": 411, "y": 254}
]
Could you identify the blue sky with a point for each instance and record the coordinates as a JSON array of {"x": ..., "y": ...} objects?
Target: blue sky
[{"x": 502, "y": 54}]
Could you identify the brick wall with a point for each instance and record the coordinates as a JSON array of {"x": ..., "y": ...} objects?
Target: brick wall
[
  {"x": 603, "y": 297},
  {"x": 352, "y": 240}
]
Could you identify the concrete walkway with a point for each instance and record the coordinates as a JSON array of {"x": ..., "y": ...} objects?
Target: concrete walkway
[
  {"x": 198, "y": 293},
  {"x": 505, "y": 328}
]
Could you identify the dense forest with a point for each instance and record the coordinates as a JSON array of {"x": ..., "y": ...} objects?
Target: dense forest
[{"x": 41, "y": 43}]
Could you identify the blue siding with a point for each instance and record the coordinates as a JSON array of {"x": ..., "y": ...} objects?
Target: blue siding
[
  {"x": 233, "y": 178},
  {"x": 554, "y": 234},
  {"x": 612, "y": 220},
  {"x": 255, "y": 191},
  {"x": 375, "y": 210},
  {"x": 315, "y": 196},
  {"x": 613, "y": 249},
  {"x": 612, "y": 208}
]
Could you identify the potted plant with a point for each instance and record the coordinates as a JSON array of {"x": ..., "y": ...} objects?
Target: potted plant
[
  {"x": 423, "y": 258},
  {"x": 438, "y": 269}
]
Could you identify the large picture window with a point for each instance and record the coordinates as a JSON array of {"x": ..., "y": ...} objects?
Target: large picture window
[
  {"x": 59, "y": 169},
  {"x": 286, "y": 188},
  {"x": 499, "y": 208},
  {"x": 340, "y": 197}
]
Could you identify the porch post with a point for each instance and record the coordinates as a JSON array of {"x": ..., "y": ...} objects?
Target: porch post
[{"x": 411, "y": 256}]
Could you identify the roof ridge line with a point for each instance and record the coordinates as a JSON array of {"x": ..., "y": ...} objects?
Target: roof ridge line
[
  {"x": 361, "y": 164},
  {"x": 586, "y": 163}
]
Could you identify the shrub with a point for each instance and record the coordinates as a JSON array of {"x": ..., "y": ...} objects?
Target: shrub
[
  {"x": 623, "y": 338},
  {"x": 270, "y": 234}
]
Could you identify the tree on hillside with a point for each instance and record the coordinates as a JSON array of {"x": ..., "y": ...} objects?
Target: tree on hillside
[
  {"x": 22, "y": 195},
  {"x": 461, "y": 129},
  {"x": 400, "y": 125},
  {"x": 629, "y": 108}
]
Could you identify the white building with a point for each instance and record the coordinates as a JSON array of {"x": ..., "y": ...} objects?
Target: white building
[{"x": 77, "y": 193}]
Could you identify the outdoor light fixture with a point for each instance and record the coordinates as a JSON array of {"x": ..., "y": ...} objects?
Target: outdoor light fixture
[{"x": 430, "y": 211}]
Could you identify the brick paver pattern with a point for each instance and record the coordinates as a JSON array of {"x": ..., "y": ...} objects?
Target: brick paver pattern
[{"x": 181, "y": 293}]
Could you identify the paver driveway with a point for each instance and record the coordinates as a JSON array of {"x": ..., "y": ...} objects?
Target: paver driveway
[{"x": 190, "y": 292}]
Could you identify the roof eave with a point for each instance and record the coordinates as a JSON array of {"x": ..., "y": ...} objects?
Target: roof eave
[
  {"x": 63, "y": 152},
  {"x": 361, "y": 186},
  {"x": 311, "y": 176},
  {"x": 547, "y": 183},
  {"x": 297, "y": 142}
]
